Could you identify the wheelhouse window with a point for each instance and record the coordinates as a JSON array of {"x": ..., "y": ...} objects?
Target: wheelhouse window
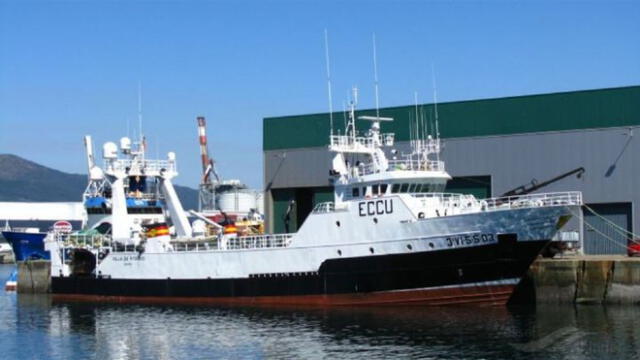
[
  {"x": 355, "y": 192},
  {"x": 438, "y": 188},
  {"x": 383, "y": 189},
  {"x": 395, "y": 188},
  {"x": 375, "y": 189},
  {"x": 404, "y": 188}
]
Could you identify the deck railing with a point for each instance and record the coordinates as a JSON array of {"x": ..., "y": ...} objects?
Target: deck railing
[
  {"x": 323, "y": 208},
  {"x": 570, "y": 198},
  {"x": 404, "y": 165},
  {"x": 259, "y": 241},
  {"x": 82, "y": 241},
  {"x": 358, "y": 143},
  {"x": 416, "y": 165},
  {"x": 134, "y": 165}
]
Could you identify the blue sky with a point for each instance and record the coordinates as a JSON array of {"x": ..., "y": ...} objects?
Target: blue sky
[{"x": 72, "y": 68}]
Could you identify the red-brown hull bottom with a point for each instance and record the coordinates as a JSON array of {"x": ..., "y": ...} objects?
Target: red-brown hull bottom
[{"x": 492, "y": 295}]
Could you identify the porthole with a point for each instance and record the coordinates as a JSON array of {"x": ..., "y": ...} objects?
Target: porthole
[
  {"x": 431, "y": 245},
  {"x": 409, "y": 247},
  {"x": 340, "y": 252},
  {"x": 375, "y": 220},
  {"x": 371, "y": 250},
  {"x": 338, "y": 223}
]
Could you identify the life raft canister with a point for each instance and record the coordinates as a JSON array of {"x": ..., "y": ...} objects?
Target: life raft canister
[{"x": 230, "y": 229}]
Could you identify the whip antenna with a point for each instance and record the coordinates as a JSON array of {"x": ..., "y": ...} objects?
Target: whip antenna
[
  {"x": 435, "y": 101},
  {"x": 375, "y": 75},
  {"x": 140, "y": 109},
  {"x": 326, "y": 55}
]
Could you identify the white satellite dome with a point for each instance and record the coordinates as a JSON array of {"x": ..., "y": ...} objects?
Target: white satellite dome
[
  {"x": 125, "y": 144},
  {"x": 110, "y": 150},
  {"x": 96, "y": 173}
]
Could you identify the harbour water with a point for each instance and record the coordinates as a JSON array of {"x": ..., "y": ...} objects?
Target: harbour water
[{"x": 32, "y": 327}]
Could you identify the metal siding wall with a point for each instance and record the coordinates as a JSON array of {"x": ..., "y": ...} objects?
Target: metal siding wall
[
  {"x": 297, "y": 168},
  {"x": 613, "y": 242}
]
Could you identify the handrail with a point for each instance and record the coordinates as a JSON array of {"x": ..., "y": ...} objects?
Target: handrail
[
  {"x": 404, "y": 165},
  {"x": 569, "y": 198},
  {"x": 536, "y": 200},
  {"x": 323, "y": 208},
  {"x": 136, "y": 164},
  {"x": 95, "y": 242},
  {"x": 416, "y": 165},
  {"x": 346, "y": 142}
]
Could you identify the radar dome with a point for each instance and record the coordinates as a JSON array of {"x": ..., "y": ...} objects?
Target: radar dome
[
  {"x": 96, "y": 173},
  {"x": 125, "y": 144},
  {"x": 171, "y": 155},
  {"x": 110, "y": 150}
]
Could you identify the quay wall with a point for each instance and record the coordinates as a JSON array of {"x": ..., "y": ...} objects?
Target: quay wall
[
  {"x": 34, "y": 276},
  {"x": 585, "y": 280}
]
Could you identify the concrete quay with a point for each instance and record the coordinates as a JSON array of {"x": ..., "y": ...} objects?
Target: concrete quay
[
  {"x": 603, "y": 279},
  {"x": 34, "y": 276}
]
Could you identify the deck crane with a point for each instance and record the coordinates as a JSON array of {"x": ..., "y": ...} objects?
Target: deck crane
[{"x": 206, "y": 199}]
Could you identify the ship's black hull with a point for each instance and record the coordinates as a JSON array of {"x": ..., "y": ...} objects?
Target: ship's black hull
[{"x": 483, "y": 274}]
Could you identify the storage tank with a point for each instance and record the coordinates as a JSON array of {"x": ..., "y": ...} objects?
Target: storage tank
[
  {"x": 236, "y": 201},
  {"x": 260, "y": 201}
]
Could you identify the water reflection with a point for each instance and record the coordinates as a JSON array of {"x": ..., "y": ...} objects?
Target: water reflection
[{"x": 34, "y": 327}]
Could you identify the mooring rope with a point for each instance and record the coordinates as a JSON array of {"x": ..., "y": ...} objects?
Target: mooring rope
[
  {"x": 616, "y": 226},
  {"x": 603, "y": 234}
]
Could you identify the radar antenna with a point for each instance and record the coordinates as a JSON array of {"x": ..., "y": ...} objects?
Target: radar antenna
[{"x": 142, "y": 142}]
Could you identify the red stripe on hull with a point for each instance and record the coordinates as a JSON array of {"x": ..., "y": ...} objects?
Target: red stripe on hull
[{"x": 495, "y": 295}]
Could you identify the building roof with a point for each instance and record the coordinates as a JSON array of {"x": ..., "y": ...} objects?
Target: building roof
[{"x": 586, "y": 109}]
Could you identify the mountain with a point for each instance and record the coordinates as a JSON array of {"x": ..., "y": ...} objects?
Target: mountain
[{"x": 24, "y": 180}]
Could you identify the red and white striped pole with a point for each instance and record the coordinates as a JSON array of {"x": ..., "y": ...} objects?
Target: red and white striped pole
[{"x": 202, "y": 133}]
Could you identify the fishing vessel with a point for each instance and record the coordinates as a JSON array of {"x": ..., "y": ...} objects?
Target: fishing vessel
[
  {"x": 26, "y": 243},
  {"x": 391, "y": 236}
]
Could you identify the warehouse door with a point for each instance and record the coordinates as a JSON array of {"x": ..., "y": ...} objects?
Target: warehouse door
[
  {"x": 304, "y": 205},
  {"x": 600, "y": 237}
]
